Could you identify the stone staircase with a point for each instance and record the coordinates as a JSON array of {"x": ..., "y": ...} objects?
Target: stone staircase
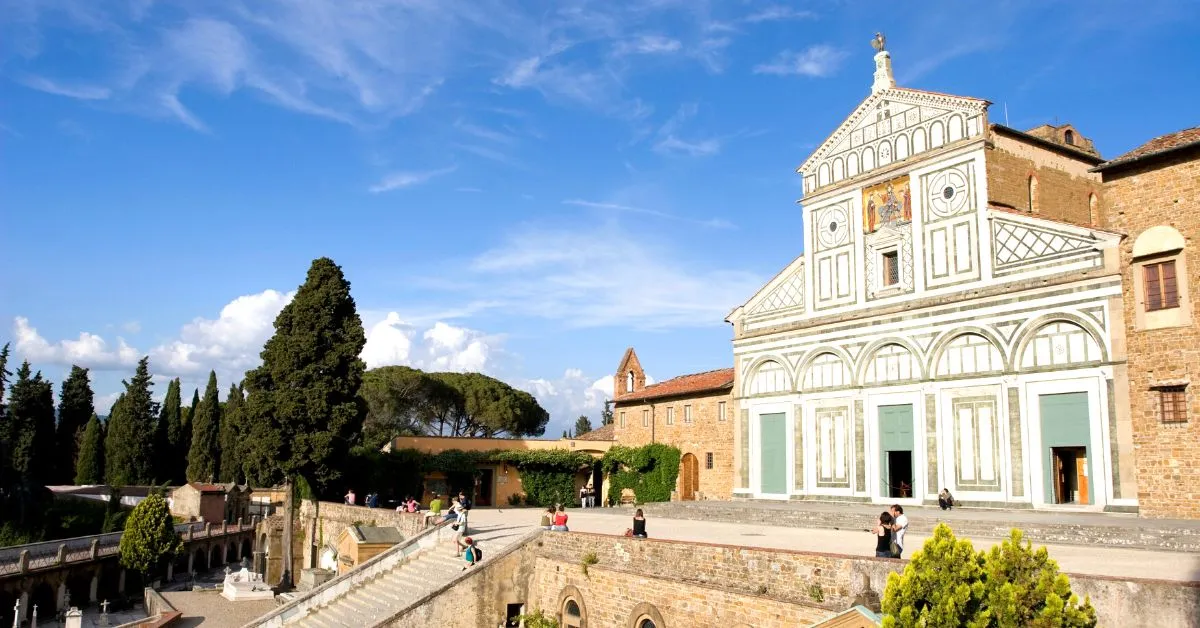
[
  {"x": 376, "y": 600},
  {"x": 378, "y": 589}
]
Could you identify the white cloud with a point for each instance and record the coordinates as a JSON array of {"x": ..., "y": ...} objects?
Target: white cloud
[
  {"x": 79, "y": 92},
  {"x": 815, "y": 61},
  {"x": 674, "y": 145},
  {"x": 230, "y": 343},
  {"x": 557, "y": 273},
  {"x": 132, "y": 327},
  {"x": 715, "y": 223},
  {"x": 442, "y": 347},
  {"x": 404, "y": 179},
  {"x": 647, "y": 45},
  {"x": 89, "y": 350},
  {"x": 777, "y": 13},
  {"x": 389, "y": 343}
]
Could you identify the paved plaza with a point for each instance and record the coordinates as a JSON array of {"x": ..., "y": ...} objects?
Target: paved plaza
[{"x": 497, "y": 528}]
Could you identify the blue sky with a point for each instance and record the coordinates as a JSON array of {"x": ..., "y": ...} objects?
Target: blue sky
[{"x": 520, "y": 188}]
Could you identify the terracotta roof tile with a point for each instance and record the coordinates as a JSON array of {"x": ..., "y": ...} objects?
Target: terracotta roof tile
[
  {"x": 1160, "y": 144},
  {"x": 606, "y": 432},
  {"x": 683, "y": 385},
  {"x": 207, "y": 488}
]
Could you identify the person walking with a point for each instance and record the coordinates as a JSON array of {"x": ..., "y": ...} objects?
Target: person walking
[
  {"x": 883, "y": 536},
  {"x": 470, "y": 552}
]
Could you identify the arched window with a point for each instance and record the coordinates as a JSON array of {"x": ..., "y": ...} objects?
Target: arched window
[
  {"x": 646, "y": 622},
  {"x": 1033, "y": 194},
  {"x": 629, "y": 382},
  {"x": 572, "y": 616},
  {"x": 1094, "y": 209},
  {"x": 1069, "y": 137}
]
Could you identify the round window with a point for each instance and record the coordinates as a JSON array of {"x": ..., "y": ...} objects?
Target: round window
[
  {"x": 948, "y": 193},
  {"x": 833, "y": 227}
]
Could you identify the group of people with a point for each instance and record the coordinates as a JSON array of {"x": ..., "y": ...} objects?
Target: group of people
[
  {"x": 889, "y": 532},
  {"x": 555, "y": 518},
  {"x": 587, "y": 496},
  {"x": 371, "y": 501}
]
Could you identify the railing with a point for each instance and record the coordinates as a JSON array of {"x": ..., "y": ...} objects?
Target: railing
[
  {"x": 341, "y": 585},
  {"x": 19, "y": 559}
]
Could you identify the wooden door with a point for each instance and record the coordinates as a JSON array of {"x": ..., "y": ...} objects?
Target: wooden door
[
  {"x": 1060, "y": 479},
  {"x": 689, "y": 473},
  {"x": 1081, "y": 475}
]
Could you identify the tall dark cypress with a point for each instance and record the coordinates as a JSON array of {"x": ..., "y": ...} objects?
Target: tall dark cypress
[
  {"x": 172, "y": 457},
  {"x": 129, "y": 454},
  {"x": 204, "y": 458},
  {"x": 31, "y": 416},
  {"x": 90, "y": 467},
  {"x": 302, "y": 404},
  {"x": 75, "y": 407},
  {"x": 231, "y": 435},
  {"x": 7, "y": 479},
  {"x": 186, "y": 421}
]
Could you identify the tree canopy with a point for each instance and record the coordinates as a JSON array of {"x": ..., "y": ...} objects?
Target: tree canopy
[
  {"x": 583, "y": 425},
  {"x": 129, "y": 446},
  {"x": 89, "y": 468},
  {"x": 302, "y": 403},
  {"x": 232, "y": 433},
  {"x": 948, "y": 584},
  {"x": 204, "y": 455},
  {"x": 404, "y": 401},
  {"x": 171, "y": 444},
  {"x": 150, "y": 540},
  {"x": 75, "y": 407}
]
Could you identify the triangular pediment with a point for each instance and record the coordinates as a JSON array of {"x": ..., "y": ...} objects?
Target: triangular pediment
[
  {"x": 785, "y": 291},
  {"x": 1018, "y": 239},
  {"x": 889, "y": 126}
]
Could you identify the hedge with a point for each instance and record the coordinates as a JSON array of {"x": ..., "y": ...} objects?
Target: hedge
[{"x": 650, "y": 470}]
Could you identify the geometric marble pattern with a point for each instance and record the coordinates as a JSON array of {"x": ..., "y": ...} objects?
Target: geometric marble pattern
[
  {"x": 789, "y": 293},
  {"x": 1018, "y": 243}
]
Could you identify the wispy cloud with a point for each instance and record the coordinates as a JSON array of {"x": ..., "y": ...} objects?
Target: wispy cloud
[
  {"x": 648, "y": 45},
  {"x": 815, "y": 61},
  {"x": 555, "y": 274},
  {"x": 79, "y": 92},
  {"x": 778, "y": 13},
  {"x": 669, "y": 140},
  {"x": 489, "y": 153},
  {"x": 405, "y": 179},
  {"x": 468, "y": 190},
  {"x": 484, "y": 133},
  {"x": 715, "y": 223}
]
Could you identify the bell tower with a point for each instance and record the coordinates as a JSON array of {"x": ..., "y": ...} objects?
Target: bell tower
[{"x": 630, "y": 377}]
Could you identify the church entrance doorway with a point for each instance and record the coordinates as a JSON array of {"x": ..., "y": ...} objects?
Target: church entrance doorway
[
  {"x": 896, "y": 451},
  {"x": 1070, "y": 475},
  {"x": 484, "y": 487},
  {"x": 772, "y": 453},
  {"x": 1066, "y": 432},
  {"x": 689, "y": 477}
]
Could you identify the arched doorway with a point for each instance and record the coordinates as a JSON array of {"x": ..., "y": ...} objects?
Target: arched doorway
[{"x": 689, "y": 477}]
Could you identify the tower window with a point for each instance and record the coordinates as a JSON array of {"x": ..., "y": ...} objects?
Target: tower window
[
  {"x": 1162, "y": 292},
  {"x": 891, "y": 268},
  {"x": 1069, "y": 137},
  {"x": 629, "y": 382},
  {"x": 1172, "y": 404},
  {"x": 708, "y": 460}
]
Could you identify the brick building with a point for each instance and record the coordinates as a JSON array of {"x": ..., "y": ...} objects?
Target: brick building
[
  {"x": 691, "y": 412},
  {"x": 955, "y": 320},
  {"x": 1152, "y": 193}
]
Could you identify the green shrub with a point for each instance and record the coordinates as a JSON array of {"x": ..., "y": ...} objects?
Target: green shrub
[
  {"x": 537, "y": 619},
  {"x": 515, "y": 500},
  {"x": 650, "y": 470},
  {"x": 948, "y": 584}
]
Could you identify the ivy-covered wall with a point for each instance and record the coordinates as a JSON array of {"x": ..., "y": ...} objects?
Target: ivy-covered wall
[{"x": 650, "y": 470}]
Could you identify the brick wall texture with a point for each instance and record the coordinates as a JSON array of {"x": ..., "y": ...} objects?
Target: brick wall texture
[
  {"x": 1064, "y": 187},
  {"x": 1164, "y": 192},
  {"x": 704, "y": 435}
]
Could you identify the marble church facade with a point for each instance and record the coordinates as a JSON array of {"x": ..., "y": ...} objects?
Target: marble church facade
[{"x": 935, "y": 333}]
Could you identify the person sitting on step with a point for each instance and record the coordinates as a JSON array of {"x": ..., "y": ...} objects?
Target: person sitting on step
[{"x": 946, "y": 500}]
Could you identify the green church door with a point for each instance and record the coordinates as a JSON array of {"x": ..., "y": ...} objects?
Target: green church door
[
  {"x": 772, "y": 448},
  {"x": 896, "y": 461}
]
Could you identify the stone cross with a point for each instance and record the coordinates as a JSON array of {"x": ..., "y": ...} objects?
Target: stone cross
[
  {"x": 17, "y": 615},
  {"x": 33, "y": 620},
  {"x": 104, "y": 607},
  {"x": 104, "y": 614}
]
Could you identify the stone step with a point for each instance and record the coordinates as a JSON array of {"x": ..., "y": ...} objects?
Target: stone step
[{"x": 1038, "y": 527}]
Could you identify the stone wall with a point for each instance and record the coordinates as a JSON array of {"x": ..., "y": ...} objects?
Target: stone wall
[
  {"x": 322, "y": 523},
  {"x": 1064, "y": 186},
  {"x": 1164, "y": 192},
  {"x": 705, "y": 435}
]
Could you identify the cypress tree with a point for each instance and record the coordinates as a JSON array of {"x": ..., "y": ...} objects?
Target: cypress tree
[
  {"x": 75, "y": 407},
  {"x": 302, "y": 403},
  {"x": 186, "y": 421},
  {"x": 129, "y": 445},
  {"x": 231, "y": 435},
  {"x": 90, "y": 467},
  {"x": 31, "y": 417},
  {"x": 204, "y": 457},
  {"x": 6, "y": 475},
  {"x": 170, "y": 425}
]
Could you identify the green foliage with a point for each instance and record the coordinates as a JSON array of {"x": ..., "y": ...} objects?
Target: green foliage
[
  {"x": 583, "y": 425},
  {"x": 587, "y": 560},
  {"x": 302, "y": 404},
  {"x": 74, "y": 409},
  {"x": 537, "y": 619},
  {"x": 150, "y": 540},
  {"x": 30, "y": 424},
  {"x": 816, "y": 593},
  {"x": 650, "y": 470},
  {"x": 947, "y": 583},
  {"x": 515, "y": 500},
  {"x": 173, "y": 456},
  {"x": 232, "y": 433},
  {"x": 547, "y": 475},
  {"x": 606, "y": 415},
  {"x": 204, "y": 456},
  {"x": 89, "y": 469},
  {"x": 400, "y": 402},
  {"x": 129, "y": 453}
]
